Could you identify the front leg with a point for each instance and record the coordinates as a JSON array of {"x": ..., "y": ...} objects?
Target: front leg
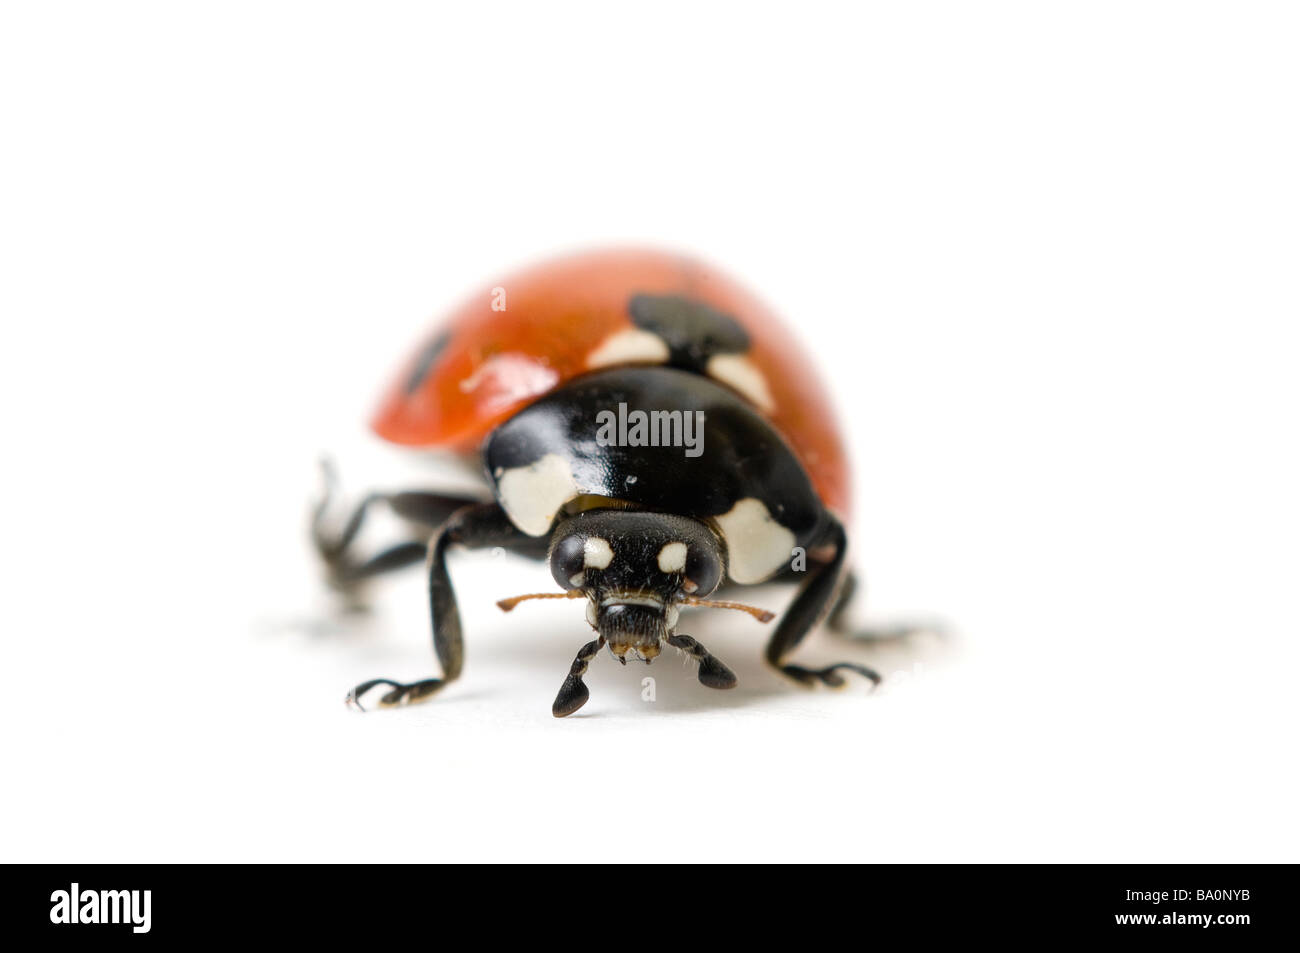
[
  {"x": 809, "y": 607},
  {"x": 712, "y": 672},
  {"x": 477, "y": 526},
  {"x": 574, "y": 693}
]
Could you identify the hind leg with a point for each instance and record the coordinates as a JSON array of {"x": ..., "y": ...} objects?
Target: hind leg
[
  {"x": 839, "y": 623},
  {"x": 346, "y": 570}
]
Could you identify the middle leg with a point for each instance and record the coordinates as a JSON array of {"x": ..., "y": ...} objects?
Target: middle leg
[
  {"x": 477, "y": 526},
  {"x": 812, "y": 603}
]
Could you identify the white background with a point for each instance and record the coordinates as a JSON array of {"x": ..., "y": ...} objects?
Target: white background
[{"x": 1046, "y": 255}]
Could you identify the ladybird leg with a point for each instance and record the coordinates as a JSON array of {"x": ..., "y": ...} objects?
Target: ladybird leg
[
  {"x": 573, "y": 694},
  {"x": 425, "y": 509},
  {"x": 346, "y": 577},
  {"x": 848, "y": 589},
  {"x": 331, "y": 546},
  {"x": 476, "y": 526},
  {"x": 712, "y": 672},
  {"x": 428, "y": 509},
  {"x": 838, "y": 622},
  {"x": 816, "y": 597}
]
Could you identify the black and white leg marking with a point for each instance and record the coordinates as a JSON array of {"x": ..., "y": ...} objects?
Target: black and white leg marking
[
  {"x": 816, "y": 597},
  {"x": 477, "y": 526}
]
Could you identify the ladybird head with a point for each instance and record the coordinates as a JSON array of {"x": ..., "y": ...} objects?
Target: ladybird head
[{"x": 635, "y": 568}]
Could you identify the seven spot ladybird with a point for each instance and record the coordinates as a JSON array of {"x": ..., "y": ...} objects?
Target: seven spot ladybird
[{"x": 645, "y": 425}]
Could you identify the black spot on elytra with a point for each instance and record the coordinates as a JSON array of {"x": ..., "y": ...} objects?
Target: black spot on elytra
[
  {"x": 693, "y": 331},
  {"x": 425, "y": 360}
]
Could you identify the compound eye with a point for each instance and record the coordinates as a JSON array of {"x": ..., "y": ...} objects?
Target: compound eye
[
  {"x": 703, "y": 571},
  {"x": 567, "y": 562}
]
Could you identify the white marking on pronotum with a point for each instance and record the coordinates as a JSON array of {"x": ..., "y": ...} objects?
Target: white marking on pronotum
[
  {"x": 740, "y": 372},
  {"x": 532, "y": 495},
  {"x": 591, "y": 614},
  {"x": 596, "y": 553},
  {"x": 670, "y": 617},
  {"x": 757, "y": 544},
  {"x": 672, "y": 558},
  {"x": 629, "y": 347}
]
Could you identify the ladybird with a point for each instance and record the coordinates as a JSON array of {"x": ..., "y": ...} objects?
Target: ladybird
[{"x": 645, "y": 425}]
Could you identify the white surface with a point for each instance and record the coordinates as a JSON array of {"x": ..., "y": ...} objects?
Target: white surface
[{"x": 1050, "y": 260}]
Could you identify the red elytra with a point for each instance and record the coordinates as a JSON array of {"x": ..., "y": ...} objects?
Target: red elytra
[{"x": 493, "y": 363}]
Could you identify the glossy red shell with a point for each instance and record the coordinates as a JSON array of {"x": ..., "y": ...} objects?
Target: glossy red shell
[{"x": 495, "y": 362}]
